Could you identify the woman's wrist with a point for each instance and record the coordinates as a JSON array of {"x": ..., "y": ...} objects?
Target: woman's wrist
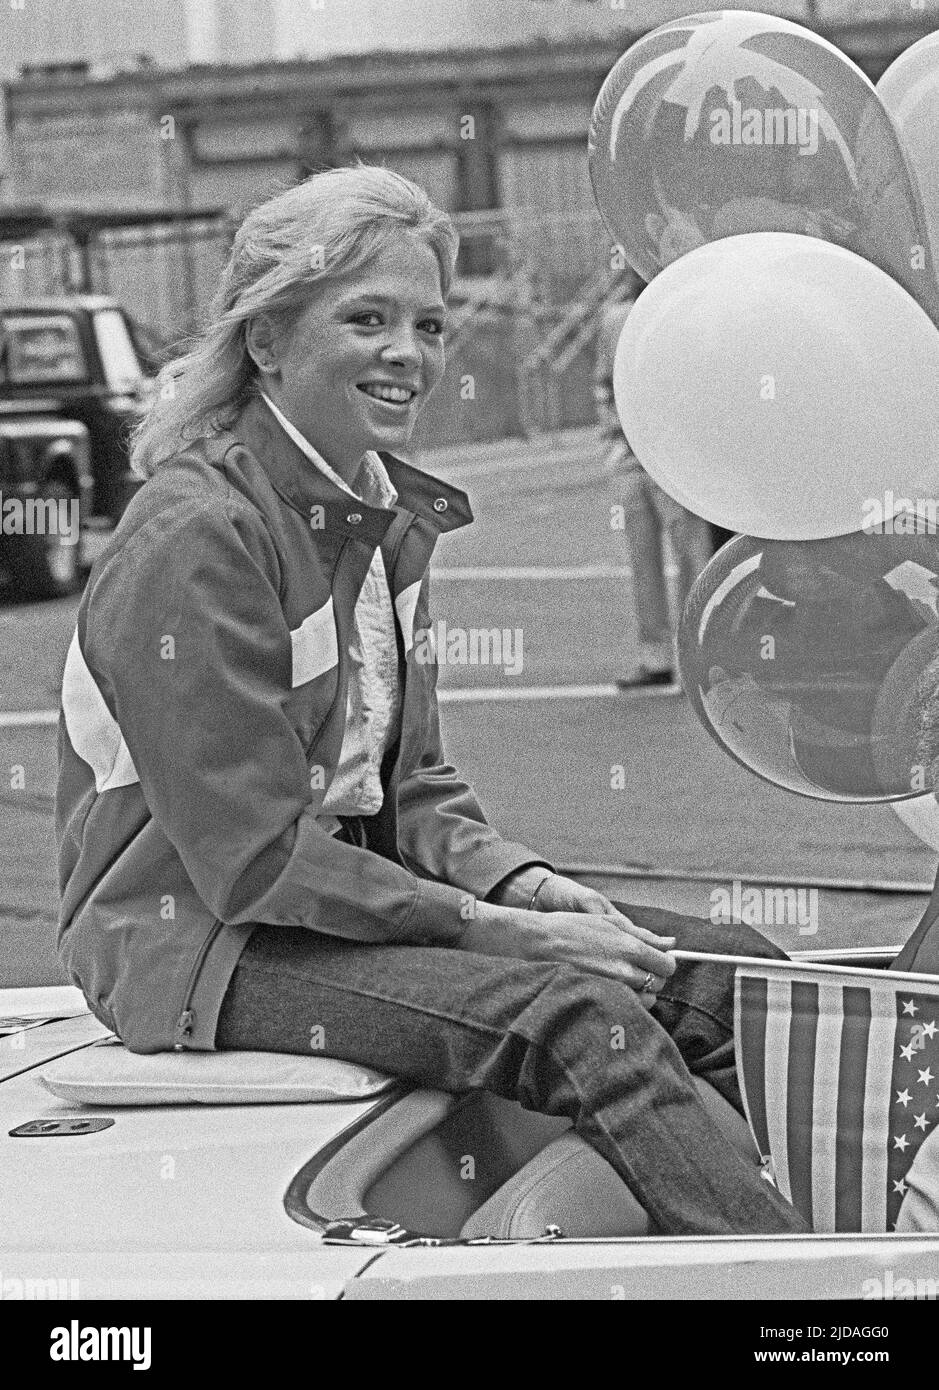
[
  {"x": 531, "y": 905},
  {"x": 522, "y": 888},
  {"x": 496, "y": 931}
]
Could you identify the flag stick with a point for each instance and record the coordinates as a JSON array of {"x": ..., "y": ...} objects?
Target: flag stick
[{"x": 771, "y": 963}]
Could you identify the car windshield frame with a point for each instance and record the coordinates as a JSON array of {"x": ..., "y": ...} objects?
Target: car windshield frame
[
  {"x": 16, "y": 369},
  {"x": 120, "y": 360}
]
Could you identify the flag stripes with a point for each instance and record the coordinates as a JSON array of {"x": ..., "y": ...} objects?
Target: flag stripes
[
  {"x": 849, "y": 1113},
  {"x": 827, "y": 1045},
  {"x": 749, "y": 1012},
  {"x": 882, "y": 1048},
  {"x": 803, "y": 1030},
  {"x": 778, "y": 1021},
  {"x": 837, "y": 1080}
]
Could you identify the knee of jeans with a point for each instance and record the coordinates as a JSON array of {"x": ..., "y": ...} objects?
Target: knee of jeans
[{"x": 575, "y": 998}]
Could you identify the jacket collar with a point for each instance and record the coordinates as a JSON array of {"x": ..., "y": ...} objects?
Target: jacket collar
[
  {"x": 373, "y": 484},
  {"x": 303, "y": 486}
]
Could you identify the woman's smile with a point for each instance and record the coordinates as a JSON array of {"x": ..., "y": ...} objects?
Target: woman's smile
[{"x": 388, "y": 393}]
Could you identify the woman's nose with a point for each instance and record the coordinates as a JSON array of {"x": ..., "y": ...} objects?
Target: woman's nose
[{"x": 403, "y": 347}]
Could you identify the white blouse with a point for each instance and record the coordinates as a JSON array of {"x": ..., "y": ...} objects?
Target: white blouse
[{"x": 373, "y": 710}]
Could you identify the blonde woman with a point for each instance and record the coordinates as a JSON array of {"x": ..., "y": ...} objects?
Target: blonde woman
[{"x": 259, "y": 834}]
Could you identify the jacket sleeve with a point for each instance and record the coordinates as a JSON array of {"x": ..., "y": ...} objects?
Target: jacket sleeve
[
  {"x": 188, "y": 644},
  {"x": 442, "y": 828}
]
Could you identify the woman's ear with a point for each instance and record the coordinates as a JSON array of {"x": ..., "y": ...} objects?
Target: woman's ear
[{"x": 261, "y": 342}]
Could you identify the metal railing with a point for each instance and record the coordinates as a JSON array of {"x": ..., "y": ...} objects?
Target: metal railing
[
  {"x": 522, "y": 325},
  {"x": 543, "y": 369}
]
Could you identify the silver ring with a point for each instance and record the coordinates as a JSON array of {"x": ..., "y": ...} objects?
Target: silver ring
[{"x": 647, "y": 982}]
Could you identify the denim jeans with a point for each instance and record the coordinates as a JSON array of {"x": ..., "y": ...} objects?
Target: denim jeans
[
  {"x": 659, "y": 533},
  {"x": 557, "y": 1039}
]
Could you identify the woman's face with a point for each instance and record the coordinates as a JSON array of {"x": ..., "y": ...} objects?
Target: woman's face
[{"x": 359, "y": 363}]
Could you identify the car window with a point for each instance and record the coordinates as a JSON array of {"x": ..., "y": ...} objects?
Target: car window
[
  {"x": 122, "y": 369},
  {"x": 40, "y": 348}
]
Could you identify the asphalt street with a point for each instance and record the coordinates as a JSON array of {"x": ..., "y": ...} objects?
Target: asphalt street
[{"x": 595, "y": 780}]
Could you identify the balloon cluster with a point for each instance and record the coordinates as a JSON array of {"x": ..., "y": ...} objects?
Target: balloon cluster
[{"x": 779, "y": 375}]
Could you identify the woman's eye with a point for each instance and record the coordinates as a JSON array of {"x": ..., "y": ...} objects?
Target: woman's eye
[
  {"x": 368, "y": 319},
  {"x": 432, "y": 326}
]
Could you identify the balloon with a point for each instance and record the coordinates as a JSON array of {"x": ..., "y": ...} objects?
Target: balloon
[
  {"x": 815, "y": 664},
  {"x": 781, "y": 386},
  {"x": 730, "y": 122},
  {"x": 909, "y": 89}
]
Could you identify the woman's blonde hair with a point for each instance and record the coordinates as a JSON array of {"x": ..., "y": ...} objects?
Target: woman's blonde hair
[{"x": 327, "y": 226}]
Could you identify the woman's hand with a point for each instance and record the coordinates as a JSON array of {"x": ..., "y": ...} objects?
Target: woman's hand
[
  {"x": 558, "y": 894},
  {"x": 604, "y": 944}
]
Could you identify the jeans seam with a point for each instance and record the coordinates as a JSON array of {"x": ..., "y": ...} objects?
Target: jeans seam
[
  {"x": 688, "y": 1004},
  {"x": 358, "y": 992}
]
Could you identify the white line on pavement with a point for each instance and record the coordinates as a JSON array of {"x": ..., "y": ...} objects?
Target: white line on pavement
[
  {"x": 28, "y": 718},
  {"x": 540, "y": 572},
  {"x": 538, "y": 457},
  {"x": 479, "y": 694}
]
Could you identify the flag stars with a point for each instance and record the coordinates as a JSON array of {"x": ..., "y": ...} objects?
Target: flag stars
[
  {"x": 900, "y": 1142},
  {"x": 908, "y": 1051},
  {"x": 928, "y": 1029},
  {"x": 904, "y": 1098},
  {"x": 925, "y": 1076},
  {"x": 920, "y": 1122},
  {"x": 910, "y": 1009},
  {"x": 900, "y": 1186}
]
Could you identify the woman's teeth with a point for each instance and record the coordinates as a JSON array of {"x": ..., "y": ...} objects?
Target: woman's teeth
[{"x": 398, "y": 395}]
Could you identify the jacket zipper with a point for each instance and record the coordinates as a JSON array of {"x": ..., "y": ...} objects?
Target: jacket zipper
[
  {"x": 396, "y": 549},
  {"x": 334, "y": 703},
  {"x": 186, "y": 1021}
]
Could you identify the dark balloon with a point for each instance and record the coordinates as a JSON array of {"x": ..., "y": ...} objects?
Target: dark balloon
[
  {"x": 815, "y": 664},
  {"x": 730, "y": 122}
]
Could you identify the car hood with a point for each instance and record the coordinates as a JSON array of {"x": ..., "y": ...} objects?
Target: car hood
[{"x": 168, "y": 1201}]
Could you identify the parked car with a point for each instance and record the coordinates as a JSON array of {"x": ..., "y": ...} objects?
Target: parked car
[
  {"x": 260, "y": 1175},
  {"x": 74, "y": 376}
]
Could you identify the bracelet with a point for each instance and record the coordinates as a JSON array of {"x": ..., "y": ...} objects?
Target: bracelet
[{"x": 531, "y": 901}]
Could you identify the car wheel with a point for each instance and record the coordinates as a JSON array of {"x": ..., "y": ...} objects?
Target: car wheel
[{"x": 45, "y": 566}]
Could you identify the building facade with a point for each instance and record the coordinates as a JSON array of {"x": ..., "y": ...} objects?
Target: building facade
[{"x": 497, "y": 135}]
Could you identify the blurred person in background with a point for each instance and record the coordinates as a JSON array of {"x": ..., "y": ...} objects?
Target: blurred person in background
[{"x": 663, "y": 539}]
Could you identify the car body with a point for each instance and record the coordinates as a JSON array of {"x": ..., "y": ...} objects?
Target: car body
[
  {"x": 74, "y": 377},
  {"x": 243, "y": 1200}
]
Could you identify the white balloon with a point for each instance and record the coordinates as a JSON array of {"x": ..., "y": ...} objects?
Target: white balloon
[{"x": 782, "y": 386}]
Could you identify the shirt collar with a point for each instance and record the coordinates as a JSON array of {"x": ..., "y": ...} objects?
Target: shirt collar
[{"x": 376, "y": 488}]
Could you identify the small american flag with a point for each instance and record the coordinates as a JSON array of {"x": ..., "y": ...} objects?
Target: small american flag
[{"x": 839, "y": 1069}]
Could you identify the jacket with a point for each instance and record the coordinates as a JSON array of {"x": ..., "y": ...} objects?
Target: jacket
[{"x": 203, "y": 707}]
